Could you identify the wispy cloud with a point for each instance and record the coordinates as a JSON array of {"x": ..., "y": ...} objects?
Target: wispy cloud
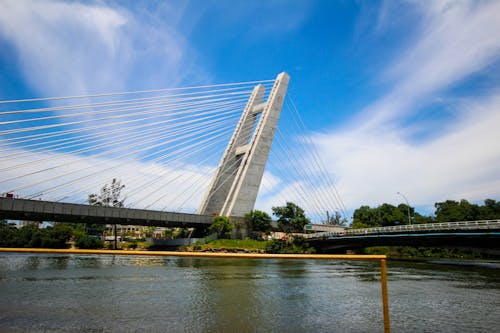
[
  {"x": 70, "y": 177},
  {"x": 456, "y": 39},
  {"x": 392, "y": 144},
  {"x": 77, "y": 48},
  {"x": 376, "y": 154},
  {"x": 462, "y": 163}
]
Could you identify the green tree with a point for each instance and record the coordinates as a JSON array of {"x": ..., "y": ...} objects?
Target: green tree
[
  {"x": 27, "y": 236},
  {"x": 109, "y": 196},
  {"x": 422, "y": 219},
  {"x": 381, "y": 216},
  {"x": 222, "y": 226},
  {"x": 291, "y": 218},
  {"x": 259, "y": 221},
  {"x": 448, "y": 211},
  {"x": 490, "y": 210},
  {"x": 365, "y": 217},
  {"x": 31, "y": 236},
  {"x": 388, "y": 215},
  {"x": 391, "y": 215},
  {"x": 294, "y": 245},
  {"x": 336, "y": 219},
  {"x": 401, "y": 214},
  {"x": 8, "y": 235},
  {"x": 453, "y": 211},
  {"x": 470, "y": 212},
  {"x": 84, "y": 241},
  {"x": 56, "y": 237},
  {"x": 149, "y": 231}
]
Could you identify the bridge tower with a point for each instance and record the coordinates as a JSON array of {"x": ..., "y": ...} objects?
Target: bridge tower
[{"x": 236, "y": 182}]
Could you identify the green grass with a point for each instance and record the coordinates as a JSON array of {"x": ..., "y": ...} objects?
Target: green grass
[{"x": 249, "y": 244}]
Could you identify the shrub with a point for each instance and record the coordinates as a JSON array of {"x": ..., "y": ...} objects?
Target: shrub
[
  {"x": 88, "y": 242},
  {"x": 222, "y": 226}
]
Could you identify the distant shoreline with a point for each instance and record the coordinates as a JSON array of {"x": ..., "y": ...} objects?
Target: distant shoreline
[{"x": 199, "y": 254}]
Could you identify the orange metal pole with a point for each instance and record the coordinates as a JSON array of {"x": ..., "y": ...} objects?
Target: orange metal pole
[
  {"x": 385, "y": 297},
  {"x": 381, "y": 258},
  {"x": 201, "y": 254}
]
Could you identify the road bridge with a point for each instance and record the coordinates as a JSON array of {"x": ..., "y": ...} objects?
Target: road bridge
[
  {"x": 465, "y": 234},
  {"x": 38, "y": 210},
  {"x": 162, "y": 145}
]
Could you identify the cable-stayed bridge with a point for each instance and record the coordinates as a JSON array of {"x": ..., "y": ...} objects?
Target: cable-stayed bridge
[{"x": 197, "y": 151}]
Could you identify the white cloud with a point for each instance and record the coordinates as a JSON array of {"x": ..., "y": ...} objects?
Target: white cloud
[
  {"x": 463, "y": 163},
  {"x": 376, "y": 156},
  {"x": 269, "y": 183},
  {"x": 457, "y": 39},
  {"x": 68, "y": 48},
  {"x": 69, "y": 177},
  {"x": 77, "y": 48}
]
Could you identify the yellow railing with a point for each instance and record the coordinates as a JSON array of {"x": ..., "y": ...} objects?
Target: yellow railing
[{"x": 379, "y": 258}]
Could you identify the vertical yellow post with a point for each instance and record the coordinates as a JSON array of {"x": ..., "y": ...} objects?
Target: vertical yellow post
[{"x": 385, "y": 297}]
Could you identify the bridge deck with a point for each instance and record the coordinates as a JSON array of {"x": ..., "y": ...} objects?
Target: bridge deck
[
  {"x": 490, "y": 225},
  {"x": 36, "y": 210},
  {"x": 465, "y": 234}
]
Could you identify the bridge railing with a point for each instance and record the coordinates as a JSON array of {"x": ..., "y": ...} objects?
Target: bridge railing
[{"x": 462, "y": 225}]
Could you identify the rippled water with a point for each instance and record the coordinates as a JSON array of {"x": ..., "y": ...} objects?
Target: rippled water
[{"x": 90, "y": 293}]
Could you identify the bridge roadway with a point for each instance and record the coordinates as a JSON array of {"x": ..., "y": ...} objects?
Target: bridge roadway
[
  {"x": 37, "y": 210},
  {"x": 466, "y": 234}
]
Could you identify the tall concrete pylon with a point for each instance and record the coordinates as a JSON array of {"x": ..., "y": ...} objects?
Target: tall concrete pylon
[{"x": 236, "y": 182}]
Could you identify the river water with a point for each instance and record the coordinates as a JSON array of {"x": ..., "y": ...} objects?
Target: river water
[{"x": 97, "y": 293}]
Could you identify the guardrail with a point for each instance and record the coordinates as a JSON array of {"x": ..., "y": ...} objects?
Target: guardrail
[
  {"x": 382, "y": 259},
  {"x": 463, "y": 225}
]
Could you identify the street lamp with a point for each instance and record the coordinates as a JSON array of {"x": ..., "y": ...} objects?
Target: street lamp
[{"x": 407, "y": 205}]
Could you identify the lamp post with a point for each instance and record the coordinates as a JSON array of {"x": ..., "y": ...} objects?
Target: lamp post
[{"x": 407, "y": 205}]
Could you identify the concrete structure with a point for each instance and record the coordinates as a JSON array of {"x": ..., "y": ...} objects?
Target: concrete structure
[
  {"x": 235, "y": 185},
  {"x": 37, "y": 210},
  {"x": 460, "y": 226},
  {"x": 125, "y": 231},
  {"x": 232, "y": 193},
  {"x": 478, "y": 241},
  {"x": 481, "y": 236}
]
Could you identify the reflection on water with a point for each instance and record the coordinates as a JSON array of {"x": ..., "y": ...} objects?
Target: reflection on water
[{"x": 90, "y": 293}]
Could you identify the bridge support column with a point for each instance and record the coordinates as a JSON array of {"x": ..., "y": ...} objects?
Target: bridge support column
[{"x": 235, "y": 185}]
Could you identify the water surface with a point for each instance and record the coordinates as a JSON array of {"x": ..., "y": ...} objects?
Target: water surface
[{"x": 105, "y": 293}]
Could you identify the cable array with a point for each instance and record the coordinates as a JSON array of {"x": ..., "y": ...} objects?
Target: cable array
[
  {"x": 295, "y": 160},
  {"x": 163, "y": 145}
]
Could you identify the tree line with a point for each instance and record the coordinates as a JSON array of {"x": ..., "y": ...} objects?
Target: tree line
[
  {"x": 446, "y": 211},
  {"x": 290, "y": 218},
  {"x": 51, "y": 237},
  {"x": 59, "y": 235}
]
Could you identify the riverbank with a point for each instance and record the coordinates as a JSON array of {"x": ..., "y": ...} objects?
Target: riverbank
[
  {"x": 427, "y": 253},
  {"x": 198, "y": 254},
  {"x": 229, "y": 246}
]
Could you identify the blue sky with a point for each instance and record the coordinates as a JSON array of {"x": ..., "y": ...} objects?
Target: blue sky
[{"x": 398, "y": 95}]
